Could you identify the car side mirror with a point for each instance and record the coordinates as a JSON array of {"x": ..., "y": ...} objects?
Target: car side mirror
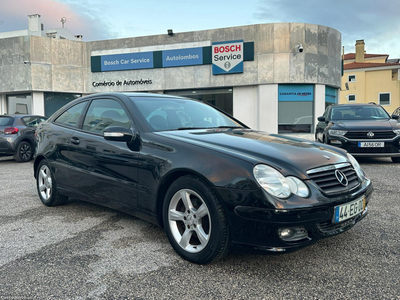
[
  {"x": 118, "y": 134},
  {"x": 321, "y": 119},
  {"x": 396, "y": 117}
]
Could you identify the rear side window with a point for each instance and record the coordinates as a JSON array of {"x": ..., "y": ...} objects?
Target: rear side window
[
  {"x": 30, "y": 121},
  {"x": 6, "y": 121},
  {"x": 72, "y": 115}
]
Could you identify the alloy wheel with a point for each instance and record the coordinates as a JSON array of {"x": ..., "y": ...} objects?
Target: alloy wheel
[
  {"x": 45, "y": 183},
  {"x": 189, "y": 220},
  {"x": 25, "y": 152}
]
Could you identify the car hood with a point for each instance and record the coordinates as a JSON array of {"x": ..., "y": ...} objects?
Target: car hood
[
  {"x": 362, "y": 125},
  {"x": 283, "y": 152}
]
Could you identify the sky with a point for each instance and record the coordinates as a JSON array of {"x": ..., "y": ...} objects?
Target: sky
[{"x": 376, "y": 22}]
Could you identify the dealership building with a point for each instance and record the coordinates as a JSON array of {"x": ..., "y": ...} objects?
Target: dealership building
[{"x": 276, "y": 77}]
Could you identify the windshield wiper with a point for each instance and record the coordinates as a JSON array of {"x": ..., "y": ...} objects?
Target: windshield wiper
[
  {"x": 225, "y": 126},
  {"x": 190, "y": 128}
]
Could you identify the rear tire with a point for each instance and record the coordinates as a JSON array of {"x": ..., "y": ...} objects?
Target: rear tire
[
  {"x": 47, "y": 186},
  {"x": 24, "y": 152},
  {"x": 195, "y": 221},
  {"x": 395, "y": 159}
]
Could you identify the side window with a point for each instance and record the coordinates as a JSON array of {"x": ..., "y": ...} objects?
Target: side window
[
  {"x": 71, "y": 116},
  {"x": 30, "y": 121},
  {"x": 103, "y": 113}
]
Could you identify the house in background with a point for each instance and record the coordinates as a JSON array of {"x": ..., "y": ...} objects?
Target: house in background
[{"x": 371, "y": 78}]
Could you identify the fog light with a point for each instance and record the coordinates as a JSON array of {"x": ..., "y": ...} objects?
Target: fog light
[
  {"x": 293, "y": 234},
  {"x": 286, "y": 233}
]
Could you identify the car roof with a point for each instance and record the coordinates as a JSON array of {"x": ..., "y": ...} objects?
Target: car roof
[
  {"x": 355, "y": 104},
  {"x": 136, "y": 94},
  {"x": 21, "y": 115}
]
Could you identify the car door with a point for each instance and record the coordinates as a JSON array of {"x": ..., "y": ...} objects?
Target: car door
[
  {"x": 55, "y": 137},
  {"x": 106, "y": 171}
]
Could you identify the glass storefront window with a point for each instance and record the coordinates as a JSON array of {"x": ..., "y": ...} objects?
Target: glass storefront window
[
  {"x": 295, "y": 108},
  {"x": 54, "y": 101},
  {"x": 221, "y": 98},
  {"x": 331, "y": 96},
  {"x": 19, "y": 104}
]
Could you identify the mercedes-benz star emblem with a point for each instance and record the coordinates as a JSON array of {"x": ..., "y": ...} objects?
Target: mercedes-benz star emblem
[
  {"x": 370, "y": 134},
  {"x": 341, "y": 177}
]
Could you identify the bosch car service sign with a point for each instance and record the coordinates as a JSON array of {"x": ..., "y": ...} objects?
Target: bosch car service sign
[{"x": 227, "y": 57}]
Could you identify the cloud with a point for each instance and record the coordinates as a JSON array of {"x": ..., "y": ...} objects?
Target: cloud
[
  {"x": 377, "y": 24},
  {"x": 80, "y": 19}
]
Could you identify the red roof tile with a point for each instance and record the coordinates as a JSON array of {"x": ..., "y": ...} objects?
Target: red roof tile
[
  {"x": 353, "y": 55},
  {"x": 355, "y": 65}
]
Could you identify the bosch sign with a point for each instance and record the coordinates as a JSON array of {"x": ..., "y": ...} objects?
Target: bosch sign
[{"x": 227, "y": 57}]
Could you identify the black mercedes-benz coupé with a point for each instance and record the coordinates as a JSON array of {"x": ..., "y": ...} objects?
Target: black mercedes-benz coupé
[{"x": 205, "y": 177}]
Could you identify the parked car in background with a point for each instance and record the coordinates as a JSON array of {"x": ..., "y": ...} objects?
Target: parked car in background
[
  {"x": 17, "y": 135},
  {"x": 362, "y": 129},
  {"x": 204, "y": 176}
]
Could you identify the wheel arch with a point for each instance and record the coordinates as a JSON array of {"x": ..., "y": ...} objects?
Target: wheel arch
[
  {"x": 36, "y": 163},
  {"x": 166, "y": 183}
]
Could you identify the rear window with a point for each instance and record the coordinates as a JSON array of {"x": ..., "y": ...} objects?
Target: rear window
[{"x": 6, "y": 121}]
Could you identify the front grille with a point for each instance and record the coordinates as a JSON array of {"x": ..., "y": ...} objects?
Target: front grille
[
  {"x": 361, "y": 135},
  {"x": 326, "y": 180},
  {"x": 330, "y": 227},
  {"x": 387, "y": 149}
]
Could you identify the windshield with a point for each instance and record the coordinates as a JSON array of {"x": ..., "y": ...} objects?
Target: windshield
[
  {"x": 181, "y": 114},
  {"x": 358, "y": 112}
]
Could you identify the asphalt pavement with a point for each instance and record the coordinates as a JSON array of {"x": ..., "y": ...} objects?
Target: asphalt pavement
[{"x": 83, "y": 251}]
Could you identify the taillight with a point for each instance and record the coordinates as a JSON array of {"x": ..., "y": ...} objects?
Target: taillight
[{"x": 11, "y": 130}]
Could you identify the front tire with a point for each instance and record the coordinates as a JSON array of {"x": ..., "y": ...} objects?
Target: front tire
[
  {"x": 47, "y": 186},
  {"x": 195, "y": 221},
  {"x": 24, "y": 152}
]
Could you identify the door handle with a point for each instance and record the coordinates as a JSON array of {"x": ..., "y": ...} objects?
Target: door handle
[{"x": 75, "y": 140}]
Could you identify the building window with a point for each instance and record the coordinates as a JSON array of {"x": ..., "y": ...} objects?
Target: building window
[
  {"x": 351, "y": 98},
  {"x": 54, "y": 101},
  {"x": 384, "y": 98},
  {"x": 352, "y": 78}
]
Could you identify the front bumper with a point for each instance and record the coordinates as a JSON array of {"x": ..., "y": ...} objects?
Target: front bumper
[
  {"x": 259, "y": 227},
  {"x": 391, "y": 146}
]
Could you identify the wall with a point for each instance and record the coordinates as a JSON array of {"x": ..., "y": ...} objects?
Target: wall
[{"x": 275, "y": 61}]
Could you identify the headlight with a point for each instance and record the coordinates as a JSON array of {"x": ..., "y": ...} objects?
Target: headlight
[
  {"x": 297, "y": 186},
  {"x": 337, "y": 132},
  {"x": 356, "y": 166},
  {"x": 397, "y": 131},
  {"x": 274, "y": 183}
]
